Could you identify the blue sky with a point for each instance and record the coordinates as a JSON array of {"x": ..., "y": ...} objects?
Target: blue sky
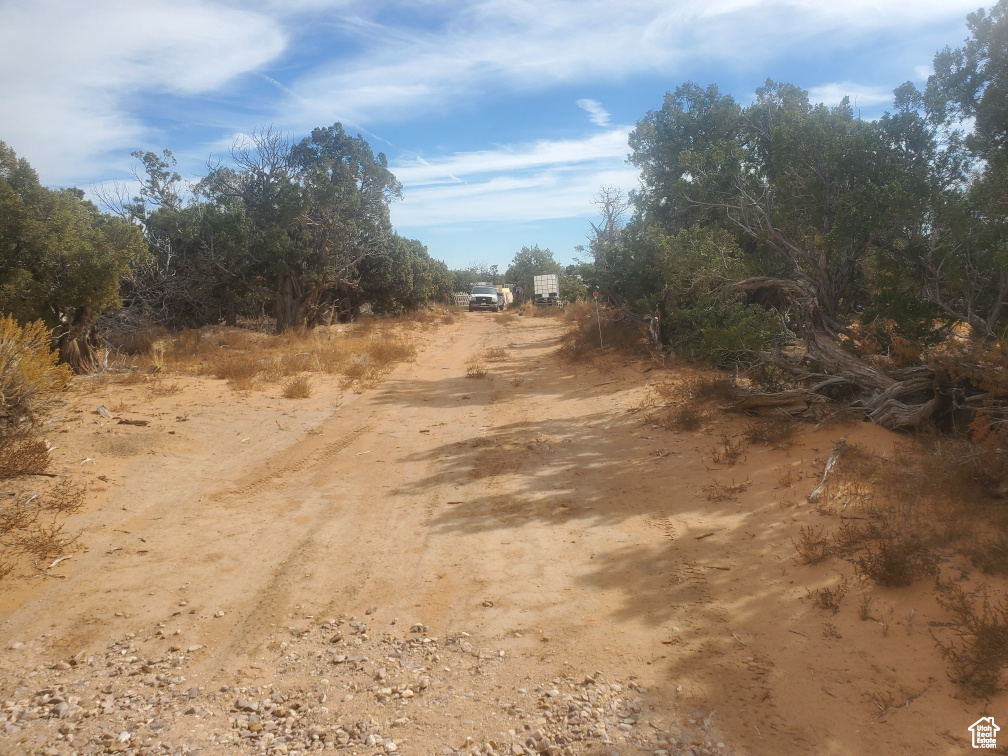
[{"x": 502, "y": 118}]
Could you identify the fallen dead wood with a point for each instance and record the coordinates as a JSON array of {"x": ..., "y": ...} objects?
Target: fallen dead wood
[{"x": 838, "y": 449}]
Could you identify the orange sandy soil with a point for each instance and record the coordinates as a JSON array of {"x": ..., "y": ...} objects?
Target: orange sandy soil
[{"x": 544, "y": 574}]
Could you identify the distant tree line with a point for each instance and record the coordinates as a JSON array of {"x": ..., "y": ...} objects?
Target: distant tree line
[
  {"x": 296, "y": 230},
  {"x": 527, "y": 263}
]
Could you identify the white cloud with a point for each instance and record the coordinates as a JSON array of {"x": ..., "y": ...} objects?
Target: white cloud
[
  {"x": 543, "y": 180},
  {"x": 607, "y": 146},
  {"x": 599, "y": 115},
  {"x": 68, "y": 70},
  {"x": 860, "y": 95},
  {"x": 465, "y": 49},
  {"x": 74, "y": 77}
]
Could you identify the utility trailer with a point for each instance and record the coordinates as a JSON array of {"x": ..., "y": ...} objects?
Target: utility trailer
[{"x": 546, "y": 290}]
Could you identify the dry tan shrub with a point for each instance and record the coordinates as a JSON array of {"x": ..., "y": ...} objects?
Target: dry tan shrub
[
  {"x": 29, "y": 373},
  {"x": 22, "y": 457},
  {"x": 236, "y": 368},
  {"x": 710, "y": 388},
  {"x": 160, "y": 388},
  {"x": 475, "y": 368},
  {"x": 978, "y": 654},
  {"x": 582, "y": 341},
  {"x": 729, "y": 452},
  {"x": 33, "y": 527},
  {"x": 495, "y": 354},
  {"x": 829, "y": 598},
  {"x": 299, "y": 388},
  {"x": 688, "y": 418},
  {"x": 362, "y": 352},
  {"x": 775, "y": 432},
  {"x": 813, "y": 546},
  {"x": 717, "y": 491},
  {"x": 387, "y": 349}
]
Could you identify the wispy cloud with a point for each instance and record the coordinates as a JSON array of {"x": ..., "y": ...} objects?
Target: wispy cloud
[
  {"x": 540, "y": 180},
  {"x": 860, "y": 95},
  {"x": 69, "y": 72},
  {"x": 462, "y": 50},
  {"x": 599, "y": 115},
  {"x": 77, "y": 79}
]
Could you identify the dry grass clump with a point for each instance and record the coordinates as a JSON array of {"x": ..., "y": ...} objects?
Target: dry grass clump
[
  {"x": 978, "y": 653},
  {"x": 813, "y": 545},
  {"x": 717, "y": 491},
  {"x": 989, "y": 433},
  {"x": 729, "y": 452},
  {"x": 990, "y": 555},
  {"x": 710, "y": 388},
  {"x": 32, "y": 527},
  {"x": 829, "y": 598},
  {"x": 475, "y": 368},
  {"x": 29, "y": 374},
  {"x": 689, "y": 402},
  {"x": 158, "y": 388},
  {"x": 22, "y": 457},
  {"x": 496, "y": 354},
  {"x": 894, "y": 549},
  {"x": 581, "y": 341},
  {"x": 362, "y": 353},
  {"x": 530, "y": 310},
  {"x": 422, "y": 318},
  {"x": 911, "y": 506},
  {"x": 687, "y": 418},
  {"x": 775, "y": 432},
  {"x": 299, "y": 388}
]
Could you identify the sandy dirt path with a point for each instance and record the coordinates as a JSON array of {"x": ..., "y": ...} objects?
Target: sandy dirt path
[{"x": 441, "y": 564}]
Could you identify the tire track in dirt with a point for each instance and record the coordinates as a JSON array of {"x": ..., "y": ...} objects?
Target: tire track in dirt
[{"x": 273, "y": 479}]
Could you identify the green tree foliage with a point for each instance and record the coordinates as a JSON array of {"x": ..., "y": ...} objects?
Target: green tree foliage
[
  {"x": 401, "y": 277},
  {"x": 528, "y": 263},
  {"x": 966, "y": 105},
  {"x": 783, "y": 218},
  {"x": 302, "y": 228},
  {"x": 61, "y": 259},
  {"x": 310, "y": 213}
]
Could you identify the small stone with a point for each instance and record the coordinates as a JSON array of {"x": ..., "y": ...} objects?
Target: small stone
[
  {"x": 61, "y": 666},
  {"x": 424, "y": 683},
  {"x": 407, "y": 693},
  {"x": 195, "y": 647},
  {"x": 371, "y": 610},
  {"x": 219, "y": 613},
  {"x": 183, "y": 603}
]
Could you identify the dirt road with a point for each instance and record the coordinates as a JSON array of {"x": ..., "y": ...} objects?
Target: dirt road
[{"x": 515, "y": 563}]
